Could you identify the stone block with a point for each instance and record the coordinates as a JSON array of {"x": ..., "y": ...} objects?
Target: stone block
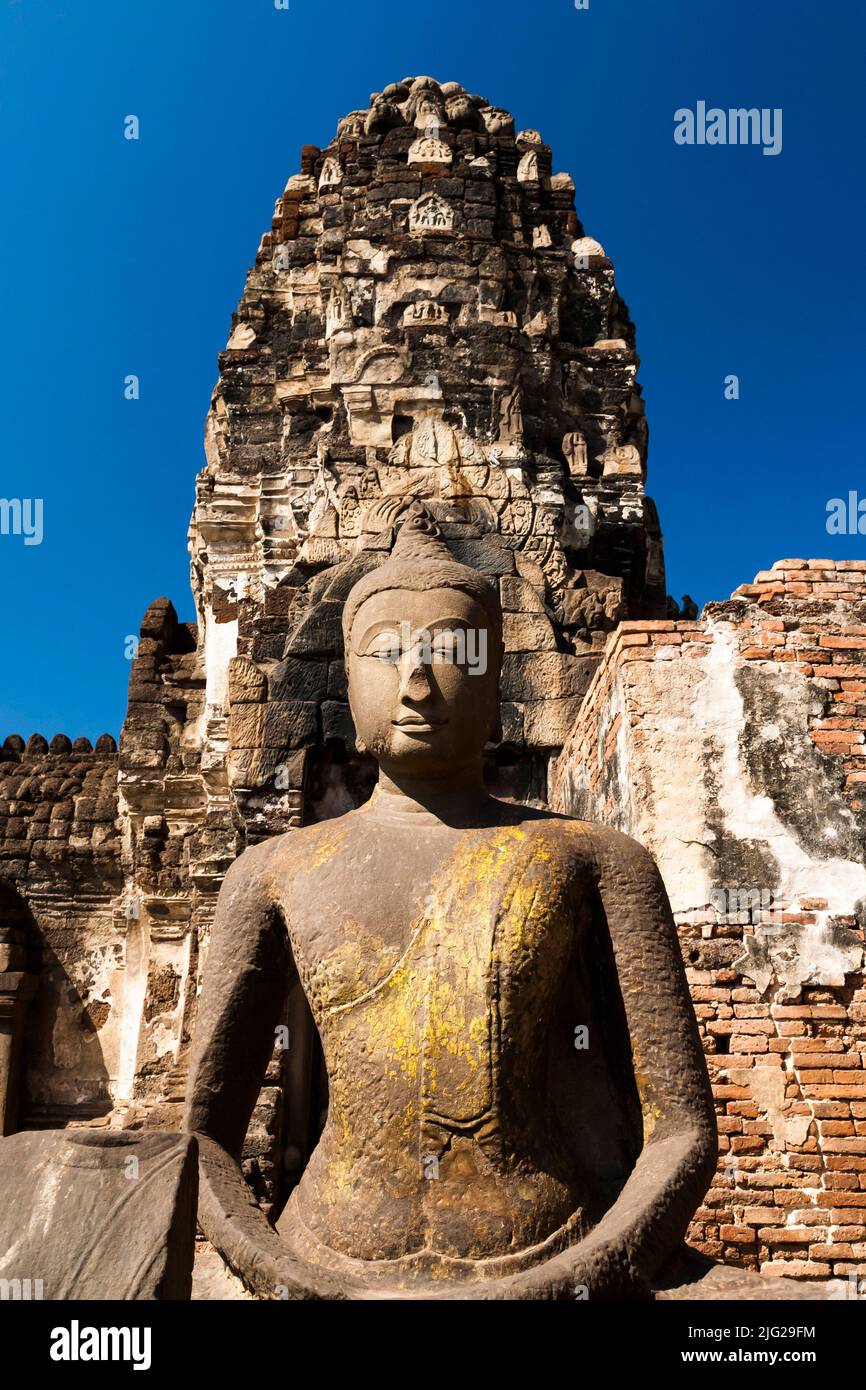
[
  {"x": 544, "y": 675},
  {"x": 299, "y": 678},
  {"x": 337, "y": 722},
  {"x": 319, "y": 632},
  {"x": 548, "y": 723},
  {"x": 246, "y": 726},
  {"x": 247, "y": 684},
  {"x": 528, "y": 632},
  {"x": 518, "y": 595},
  {"x": 487, "y": 555},
  {"x": 290, "y": 724}
]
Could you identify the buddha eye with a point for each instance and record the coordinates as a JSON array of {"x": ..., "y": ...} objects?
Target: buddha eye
[
  {"x": 386, "y": 646},
  {"x": 449, "y": 646}
]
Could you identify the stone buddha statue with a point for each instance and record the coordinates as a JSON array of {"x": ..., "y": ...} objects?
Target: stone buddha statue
[{"x": 518, "y": 1102}]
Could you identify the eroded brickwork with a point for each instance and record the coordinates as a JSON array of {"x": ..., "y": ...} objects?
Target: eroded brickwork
[{"x": 733, "y": 747}]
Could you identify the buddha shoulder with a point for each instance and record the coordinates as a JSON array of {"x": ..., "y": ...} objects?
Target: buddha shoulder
[
  {"x": 307, "y": 847},
  {"x": 590, "y": 842}
]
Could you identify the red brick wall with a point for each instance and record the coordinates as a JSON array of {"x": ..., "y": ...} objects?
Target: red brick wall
[
  {"x": 821, "y": 639},
  {"x": 789, "y": 1076}
]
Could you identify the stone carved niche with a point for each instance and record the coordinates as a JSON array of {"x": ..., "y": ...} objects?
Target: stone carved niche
[
  {"x": 529, "y": 169},
  {"x": 431, "y": 443},
  {"x": 331, "y": 175},
  {"x": 622, "y": 461},
  {"x": 430, "y": 213},
  {"x": 351, "y": 127},
  {"x": 422, "y": 312},
  {"x": 338, "y": 317},
  {"x": 428, "y": 150},
  {"x": 574, "y": 449}
]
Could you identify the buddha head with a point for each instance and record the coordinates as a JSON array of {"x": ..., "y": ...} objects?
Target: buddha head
[{"x": 423, "y": 642}]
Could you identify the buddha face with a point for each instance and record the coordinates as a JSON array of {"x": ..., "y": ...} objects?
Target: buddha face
[{"x": 423, "y": 680}]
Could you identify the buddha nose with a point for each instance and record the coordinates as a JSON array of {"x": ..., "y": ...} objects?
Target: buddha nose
[{"x": 415, "y": 677}]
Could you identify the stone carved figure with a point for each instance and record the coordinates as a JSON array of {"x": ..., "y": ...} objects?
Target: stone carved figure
[
  {"x": 331, "y": 175},
  {"x": 350, "y": 514},
  {"x": 623, "y": 460},
  {"x": 518, "y": 1101},
  {"x": 429, "y": 150},
  {"x": 511, "y": 417},
  {"x": 338, "y": 316},
  {"x": 423, "y": 312},
  {"x": 431, "y": 213},
  {"x": 529, "y": 170},
  {"x": 574, "y": 449}
]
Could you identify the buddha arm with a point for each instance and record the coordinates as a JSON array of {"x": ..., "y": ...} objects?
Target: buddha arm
[
  {"x": 648, "y": 1221},
  {"x": 245, "y": 982},
  {"x": 248, "y": 971}
]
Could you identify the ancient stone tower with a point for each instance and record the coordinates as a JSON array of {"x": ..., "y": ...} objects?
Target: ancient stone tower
[{"x": 426, "y": 319}]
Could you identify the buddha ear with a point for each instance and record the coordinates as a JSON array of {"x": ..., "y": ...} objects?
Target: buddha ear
[{"x": 358, "y": 743}]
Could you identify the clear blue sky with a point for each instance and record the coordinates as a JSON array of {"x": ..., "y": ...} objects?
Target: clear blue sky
[{"x": 121, "y": 257}]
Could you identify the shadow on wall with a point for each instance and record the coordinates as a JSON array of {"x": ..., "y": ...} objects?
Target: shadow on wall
[
  {"x": 340, "y": 779},
  {"x": 51, "y": 1065}
]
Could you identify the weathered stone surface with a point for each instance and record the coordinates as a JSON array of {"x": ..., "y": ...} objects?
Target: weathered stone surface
[
  {"x": 290, "y": 723},
  {"x": 298, "y": 679},
  {"x": 98, "y": 1214},
  {"x": 528, "y": 632},
  {"x": 544, "y": 675},
  {"x": 548, "y": 723}
]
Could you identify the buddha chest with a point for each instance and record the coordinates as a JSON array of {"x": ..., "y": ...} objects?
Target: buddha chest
[{"x": 433, "y": 986}]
